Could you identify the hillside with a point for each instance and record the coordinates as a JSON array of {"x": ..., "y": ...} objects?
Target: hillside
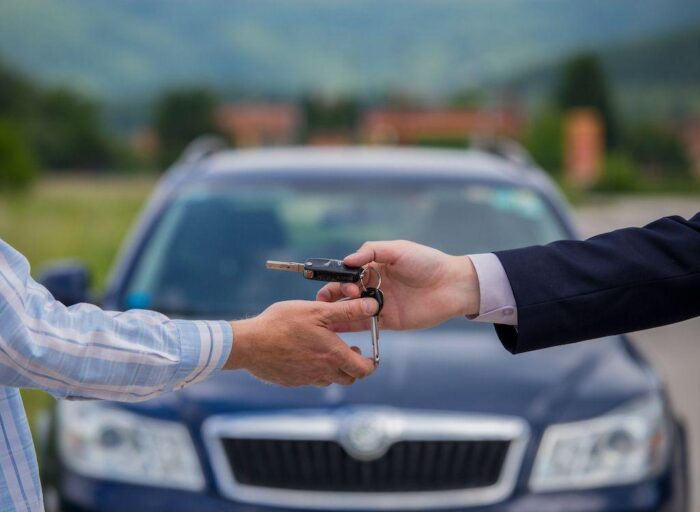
[
  {"x": 131, "y": 48},
  {"x": 668, "y": 60},
  {"x": 651, "y": 76}
]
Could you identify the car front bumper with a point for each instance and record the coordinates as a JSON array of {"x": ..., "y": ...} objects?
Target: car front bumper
[
  {"x": 80, "y": 494},
  {"x": 667, "y": 492}
]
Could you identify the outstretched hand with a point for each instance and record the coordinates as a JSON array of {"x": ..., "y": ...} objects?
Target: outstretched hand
[
  {"x": 422, "y": 287},
  {"x": 294, "y": 344}
]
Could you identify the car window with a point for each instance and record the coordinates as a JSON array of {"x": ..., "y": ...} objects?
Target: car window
[{"x": 206, "y": 256}]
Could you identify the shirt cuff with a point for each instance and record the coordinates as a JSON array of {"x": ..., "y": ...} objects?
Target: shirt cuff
[
  {"x": 497, "y": 303},
  {"x": 204, "y": 347}
]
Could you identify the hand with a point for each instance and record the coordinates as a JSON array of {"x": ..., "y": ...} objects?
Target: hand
[
  {"x": 422, "y": 286},
  {"x": 293, "y": 343}
]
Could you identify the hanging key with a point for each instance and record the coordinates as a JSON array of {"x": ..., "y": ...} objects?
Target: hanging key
[
  {"x": 321, "y": 269},
  {"x": 376, "y": 294}
]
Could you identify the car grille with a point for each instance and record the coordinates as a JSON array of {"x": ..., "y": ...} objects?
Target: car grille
[
  {"x": 365, "y": 458},
  {"x": 326, "y": 466}
]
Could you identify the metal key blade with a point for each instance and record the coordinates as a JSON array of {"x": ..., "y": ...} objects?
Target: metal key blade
[
  {"x": 377, "y": 295},
  {"x": 374, "y": 328},
  {"x": 287, "y": 266}
]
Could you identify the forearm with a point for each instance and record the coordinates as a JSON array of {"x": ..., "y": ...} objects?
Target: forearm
[
  {"x": 83, "y": 351},
  {"x": 622, "y": 281}
]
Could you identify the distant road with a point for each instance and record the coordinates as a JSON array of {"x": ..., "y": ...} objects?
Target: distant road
[{"x": 675, "y": 349}]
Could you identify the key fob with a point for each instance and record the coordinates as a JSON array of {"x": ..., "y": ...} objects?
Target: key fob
[
  {"x": 332, "y": 271},
  {"x": 376, "y": 294}
]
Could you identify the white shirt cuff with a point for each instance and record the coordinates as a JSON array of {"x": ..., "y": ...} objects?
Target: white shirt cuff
[
  {"x": 497, "y": 303},
  {"x": 204, "y": 348}
]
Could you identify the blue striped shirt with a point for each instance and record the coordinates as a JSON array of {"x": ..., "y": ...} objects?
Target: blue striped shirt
[{"x": 84, "y": 352}]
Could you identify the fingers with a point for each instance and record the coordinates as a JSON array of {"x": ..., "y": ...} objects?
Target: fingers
[
  {"x": 355, "y": 365},
  {"x": 333, "y": 292},
  {"x": 343, "y": 378},
  {"x": 349, "y": 310},
  {"x": 293, "y": 344},
  {"x": 357, "y": 326},
  {"x": 380, "y": 252}
]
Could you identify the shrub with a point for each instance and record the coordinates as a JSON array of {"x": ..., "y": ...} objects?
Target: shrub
[
  {"x": 658, "y": 150},
  {"x": 17, "y": 164},
  {"x": 181, "y": 115},
  {"x": 545, "y": 141},
  {"x": 619, "y": 174}
]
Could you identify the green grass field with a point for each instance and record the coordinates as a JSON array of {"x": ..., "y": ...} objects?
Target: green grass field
[{"x": 73, "y": 217}]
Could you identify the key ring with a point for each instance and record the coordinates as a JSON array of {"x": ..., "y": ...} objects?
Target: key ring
[{"x": 365, "y": 274}]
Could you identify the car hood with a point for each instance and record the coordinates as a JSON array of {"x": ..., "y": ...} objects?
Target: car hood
[{"x": 449, "y": 370}]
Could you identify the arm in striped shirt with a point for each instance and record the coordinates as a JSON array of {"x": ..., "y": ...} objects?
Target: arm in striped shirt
[{"x": 83, "y": 351}]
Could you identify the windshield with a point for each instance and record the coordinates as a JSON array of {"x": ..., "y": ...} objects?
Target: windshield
[{"x": 206, "y": 256}]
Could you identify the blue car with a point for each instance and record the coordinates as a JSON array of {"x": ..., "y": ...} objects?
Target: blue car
[{"x": 450, "y": 420}]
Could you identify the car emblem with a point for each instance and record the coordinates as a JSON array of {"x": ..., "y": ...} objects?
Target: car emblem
[{"x": 366, "y": 436}]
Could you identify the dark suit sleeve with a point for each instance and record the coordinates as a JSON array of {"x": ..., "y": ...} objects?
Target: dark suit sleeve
[{"x": 622, "y": 281}]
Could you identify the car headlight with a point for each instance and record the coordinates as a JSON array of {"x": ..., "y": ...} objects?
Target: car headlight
[
  {"x": 624, "y": 446},
  {"x": 101, "y": 441}
]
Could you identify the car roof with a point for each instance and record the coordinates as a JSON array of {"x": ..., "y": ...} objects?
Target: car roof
[
  {"x": 370, "y": 162},
  {"x": 388, "y": 162}
]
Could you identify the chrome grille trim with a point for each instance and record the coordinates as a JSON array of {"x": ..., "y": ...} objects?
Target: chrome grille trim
[{"x": 400, "y": 425}]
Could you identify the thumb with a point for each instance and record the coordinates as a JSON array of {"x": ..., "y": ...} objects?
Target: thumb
[
  {"x": 350, "y": 310},
  {"x": 378, "y": 252}
]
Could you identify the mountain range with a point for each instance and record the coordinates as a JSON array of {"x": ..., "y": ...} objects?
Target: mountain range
[{"x": 117, "y": 49}]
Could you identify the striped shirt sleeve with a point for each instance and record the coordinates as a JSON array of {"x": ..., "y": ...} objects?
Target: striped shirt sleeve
[{"x": 84, "y": 352}]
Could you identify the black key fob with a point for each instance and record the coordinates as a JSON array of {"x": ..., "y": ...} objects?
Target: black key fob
[{"x": 332, "y": 271}]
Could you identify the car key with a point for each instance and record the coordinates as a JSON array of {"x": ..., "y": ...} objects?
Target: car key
[
  {"x": 321, "y": 269},
  {"x": 329, "y": 270},
  {"x": 376, "y": 294}
]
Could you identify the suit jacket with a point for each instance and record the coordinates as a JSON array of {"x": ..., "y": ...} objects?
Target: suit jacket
[{"x": 625, "y": 280}]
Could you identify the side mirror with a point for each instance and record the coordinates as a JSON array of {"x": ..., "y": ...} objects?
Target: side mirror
[{"x": 68, "y": 282}]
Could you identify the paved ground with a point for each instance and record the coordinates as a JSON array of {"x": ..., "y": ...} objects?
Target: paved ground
[{"x": 674, "y": 350}]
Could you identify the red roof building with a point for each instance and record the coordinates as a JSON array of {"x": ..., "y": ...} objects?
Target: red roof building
[
  {"x": 261, "y": 124},
  {"x": 399, "y": 126}
]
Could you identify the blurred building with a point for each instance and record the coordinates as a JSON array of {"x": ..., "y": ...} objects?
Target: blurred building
[
  {"x": 259, "y": 124},
  {"x": 584, "y": 143},
  {"x": 416, "y": 126},
  {"x": 330, "y": 138},
  {"x": 143, "y": 143}
]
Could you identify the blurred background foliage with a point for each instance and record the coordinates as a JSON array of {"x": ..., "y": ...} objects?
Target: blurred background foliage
[
  {"x": 17, "y": 161},
  {"x": 59, "y": 127},
  {"x": 112, "y": 87},
  {"x": 180, "y": 116},
  {"x": 583, "y": 83}
]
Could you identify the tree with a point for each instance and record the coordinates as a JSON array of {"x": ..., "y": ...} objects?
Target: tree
[
  {"x": 62, "y": 128},
  {"x": 330, "y": 115},
  {"x": 180, "y": 116},
  {"x": 17, "y": 95},
  {"x": 657, "y": 150},
  {"x": 469, "y": 97},
  {"x": 545, "y": 141},
  {"x": 584, "y": 84},
  {"x": 68, "y": 131},
  {"x": 17, "y": 165}
]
